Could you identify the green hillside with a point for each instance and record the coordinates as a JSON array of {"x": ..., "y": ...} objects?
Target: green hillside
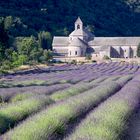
[{"x": 109, "y": 17}]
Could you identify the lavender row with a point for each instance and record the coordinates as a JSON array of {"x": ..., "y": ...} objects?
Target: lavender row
[
  {"x": 91, "y": 70},
  {"x": 109, "y": 120},
  {"x": 7, "y": 94},
  {"x": 48, "y": 123},
  {"x": 11, "y": 114},
  {"x": 72, "y": 90}
]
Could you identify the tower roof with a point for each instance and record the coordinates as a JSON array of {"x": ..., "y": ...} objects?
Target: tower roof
[
  {"x": 77, "y": 42},
  {"x": 79, "y": 20},
  {"x": 78, "y": 32},
  {"x": 83, "y": 32}
]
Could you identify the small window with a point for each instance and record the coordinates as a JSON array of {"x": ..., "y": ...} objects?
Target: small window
[
  {"x": 75, "y": 52},
  {"x": 70, "y": 52},
  {"x": 78, "y": 26}
]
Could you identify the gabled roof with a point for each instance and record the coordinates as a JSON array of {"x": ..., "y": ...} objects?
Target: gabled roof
[
  {"x": 63, "y": 41},
  {"x": 81, "y": 32},
  {"x": 78, "y": 32},
  {"x": 77, "y": 42},
  {"x": 115, "y": 41}
]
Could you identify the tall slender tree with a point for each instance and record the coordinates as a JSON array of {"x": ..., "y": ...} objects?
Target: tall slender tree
[
  {"x": 45, "y": 40},
  {"x": 138, "y": 50}
]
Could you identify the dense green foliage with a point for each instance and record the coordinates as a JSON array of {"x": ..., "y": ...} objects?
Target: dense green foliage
[
  {"x": 27, "y": 26},
  {"x": 110, "y": 18},
  {"x": 16, "y": 51}
]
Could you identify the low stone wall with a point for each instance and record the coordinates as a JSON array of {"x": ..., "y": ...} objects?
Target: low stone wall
[
  {"x": 99, "y": 59},
  {"x": 69, "y": 59},
  {"x": 129, "y": 60}
]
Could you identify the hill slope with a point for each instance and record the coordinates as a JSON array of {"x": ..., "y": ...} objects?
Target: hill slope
[{"x": 109, "y": 17}]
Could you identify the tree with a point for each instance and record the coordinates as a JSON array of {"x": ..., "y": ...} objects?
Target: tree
[
  {"x": 3, "y": 34},
  {"x": 3, "y": 40},
  {"x": 27, "y": 45},
  {"x": 48, "y": 55},
  {"x": 36, "y": 53},
  {"x": 22, "y": 59},
  {"x": 18, "y": 60},
  {"x": 90, "y": 28},
  {"x": 14, "y": 56},
  {"x": 1, "y": 52},
  {"x": 66, "y": 32},
  {"x": 45, "y": 40},
  {"x": 8, "y": 21},
  {"x": 138, "y": 50},
  {"x": 8, "y": 53}
]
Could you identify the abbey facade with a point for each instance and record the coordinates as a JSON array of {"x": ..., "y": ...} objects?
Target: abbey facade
[{"x": 81, "y": 42}]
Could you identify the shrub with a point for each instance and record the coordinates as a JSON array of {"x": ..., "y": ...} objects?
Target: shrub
[
  {"x": 82, "y": 62},
  {"x": 48, "y": 55},
  {"x": 74, "y": 62},
  {"x": 6, "y": 65},
  {"x": 88, "y": 57},
  {"x": 106, "y": 57}
]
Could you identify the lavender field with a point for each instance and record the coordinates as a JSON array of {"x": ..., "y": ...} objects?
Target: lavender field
[{"x": 71, "y": 102}]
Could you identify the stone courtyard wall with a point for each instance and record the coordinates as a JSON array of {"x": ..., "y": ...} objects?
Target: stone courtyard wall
[{"x": 130, "y": 60}]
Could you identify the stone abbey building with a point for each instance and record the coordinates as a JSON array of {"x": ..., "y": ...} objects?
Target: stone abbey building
[{"x": 81, "y": 41}]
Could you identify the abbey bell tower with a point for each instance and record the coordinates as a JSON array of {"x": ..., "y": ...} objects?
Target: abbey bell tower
[{"x": 78, "y": 24}]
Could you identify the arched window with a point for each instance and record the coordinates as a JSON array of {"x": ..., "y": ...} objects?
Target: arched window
[
  {"x": 75, "y": 52},
  {"x": 70, "y": 52},
  {"x": 78, "y": 26}
]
